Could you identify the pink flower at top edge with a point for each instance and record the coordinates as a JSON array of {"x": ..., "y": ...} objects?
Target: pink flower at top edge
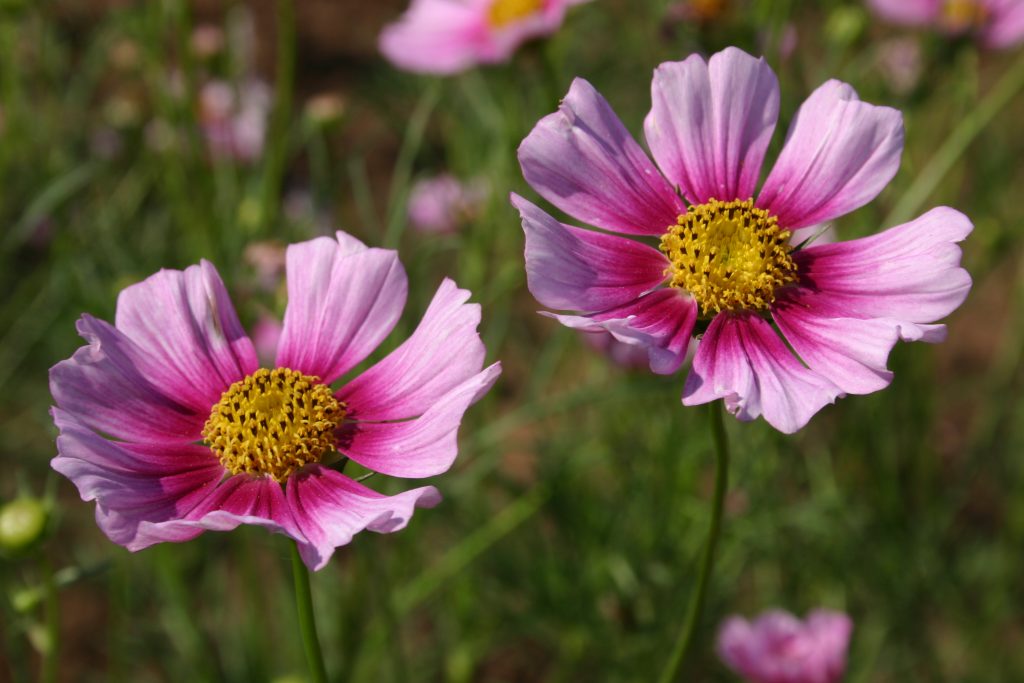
[
  {"x": 439, "y": 204},
  {"x": 448, "y": 36},
  {"x": 779, "y": 648},
  {"x": 998, "y": 24},
  {"x": 168, "y": 423},
  {"x": 789, "y": 327}
]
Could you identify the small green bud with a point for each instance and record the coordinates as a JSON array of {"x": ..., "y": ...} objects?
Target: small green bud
[{"x": 22, "y": 523}]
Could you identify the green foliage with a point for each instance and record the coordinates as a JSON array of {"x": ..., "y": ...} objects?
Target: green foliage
[{"x": 569, "y": 538}]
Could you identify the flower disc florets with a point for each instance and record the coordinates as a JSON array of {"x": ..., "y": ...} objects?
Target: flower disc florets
[
  {"x": 728, "y": 255},
  {"x": 273, "y": 423},
  {"x": 504, "y": 12}
]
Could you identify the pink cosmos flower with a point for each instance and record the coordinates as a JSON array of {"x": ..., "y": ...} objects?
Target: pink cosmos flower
[
  {"x": 997, "y": 23},
  {"x": 441, "y": 203},
  {"x": 779, "y": 648},
  {"x": 789, "y": 327},
  {"x": 448, "y": 36},
  {"x": 234, "y": 123},
  {"x": 167, "y": 421}
]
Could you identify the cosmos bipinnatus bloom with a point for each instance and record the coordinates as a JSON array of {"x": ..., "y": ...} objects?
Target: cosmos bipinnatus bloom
[
  {"x": 787, "y": 325},
  {"x": 170, "y": 424},
  {"x": 449, "y": 36},
  {"x": 779, "y": 648},
  {"x": 997, "y": 24}
]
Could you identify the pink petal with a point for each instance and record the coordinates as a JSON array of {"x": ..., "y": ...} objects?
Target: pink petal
[
  {"x": 582, "y": 270},
  {"x": 1005, "y": 27},
  {"x": 443, "y": 352},
  {"x": 330, "y": 509},
  {"x": 132, "y": 483},
  {"x": 831, "y": 632},
  {"x": 584, "y": 161},
  {"x": 908, "y": 12},
  {"x": 661, "y": 321},
  {"x": 193, "y": 346},
  {"x": 852, "y": 353},
  {"x": 240, "y": 499},
  {"x": 839, "y": 154},
  {"x": 104, "y": 386},
  {"x": 343, "y": 300},
  {"x": 742, "y": 360},
  {"x": 435, "y": 36},
  {"x": 710, "y": 123},
  {"x": 422, "y": 447},
  {"x": 910, "y": 273}
]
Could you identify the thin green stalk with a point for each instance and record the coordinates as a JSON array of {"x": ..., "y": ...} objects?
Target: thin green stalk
[
  {"x": 51, "y": 655},
  {"x": 685, "y": 639},
  {"x": 957, "y": 143},
  {"x": 402, "y": 174},
  {"x": 277, "y": 139},
  {"x": 307, "y": 622}
]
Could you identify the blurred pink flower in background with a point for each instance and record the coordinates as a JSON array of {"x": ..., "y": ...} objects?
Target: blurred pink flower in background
[
  {"x": 900, "y": 63},
  {"x": 234, "y": 119},
  {"x": 448, "y": 36},
  {"x": 629, "y": 356},
  {"x": 997, "y": 23},
  {"x": 779, "y": 648},
  {"x": 441, "y": 203},
  {"x": 169, "y": 423},
  {"x": 266, "y": 334}
]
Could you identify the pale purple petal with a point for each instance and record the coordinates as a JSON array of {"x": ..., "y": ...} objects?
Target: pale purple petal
[
  {"x": 343, "y": 300},
  {"x": 1005, "y": 26},
  {"x": 103, "y": 385},
  {"x": 661, "y": 321},
  {"x": 584, "y": 161},
  {"x": 910, "y": 273},
  {"x": 193, "y": 346},
  {"x": 570, "y": 268},
  {"x": 839, "y": 154},
  {"x": 133, "y": 483},
  {"x": 422, "y": 447},
  {"x": 330, "y": 509},
  {"x": 851, "y": 352},
  {"x": 908, "y": 12},
  {"x": 711, "y": 122},
  {"x": 443, "y": 352},
  {"x": 742, "y": 360},
  {"x": 435, "y": 36},
  {"x": 240, "y": 499}
]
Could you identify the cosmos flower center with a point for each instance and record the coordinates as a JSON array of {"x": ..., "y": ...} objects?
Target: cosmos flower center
[
  {"x": 958, "y": 15},
  {"x": 504, "y": 12},
  {"x": 273, "y": 423},
  {"x": 728, "y": 256}
]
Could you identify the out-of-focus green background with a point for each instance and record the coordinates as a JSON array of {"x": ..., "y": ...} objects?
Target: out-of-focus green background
[{"x": 566, "y": 547}]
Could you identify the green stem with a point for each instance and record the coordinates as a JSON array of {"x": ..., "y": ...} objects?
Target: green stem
[
  {"x": 51, "y": 655},
  {"x": 956, "y": 144},
  {"x": 307, "y": 622},
  {"x": 685, "y": 639},
  {"x": 277, "y": 138}
]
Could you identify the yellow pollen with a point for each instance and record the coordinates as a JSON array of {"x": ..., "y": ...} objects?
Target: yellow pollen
[
  {"x": 504, "y": 12},
  {"x": 958, "y": 15},
  {"x": 728, "y": 255},
  {"x": 273, "y": 422}
]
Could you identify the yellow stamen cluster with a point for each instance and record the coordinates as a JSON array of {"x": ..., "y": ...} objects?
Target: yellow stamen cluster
[
  {"x": 273, "y": 422},
  {"x": 958, "y": 15},
  {"x": 504, "y": 12},
  {"x": 728, "y": 255}
]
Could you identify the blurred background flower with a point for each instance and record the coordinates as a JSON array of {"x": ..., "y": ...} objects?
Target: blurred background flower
[{"x": 779, "y": 648}]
